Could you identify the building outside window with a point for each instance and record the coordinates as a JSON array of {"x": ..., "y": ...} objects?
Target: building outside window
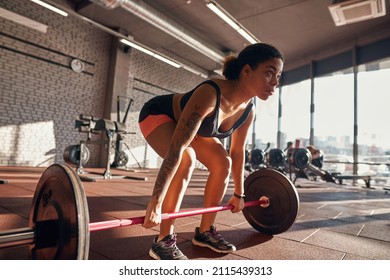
[{"x": 333, "y": 118}]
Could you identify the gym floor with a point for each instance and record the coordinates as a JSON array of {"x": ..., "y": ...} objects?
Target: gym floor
[{"x": 335, "y": 222}]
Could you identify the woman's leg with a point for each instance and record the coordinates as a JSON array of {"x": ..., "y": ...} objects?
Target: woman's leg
[
  {"x": 212, "y": 154},
  {"x": 159, "y": 139}
]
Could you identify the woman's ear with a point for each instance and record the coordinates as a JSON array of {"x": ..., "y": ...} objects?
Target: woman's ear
[{"x": 246, "y": 70}]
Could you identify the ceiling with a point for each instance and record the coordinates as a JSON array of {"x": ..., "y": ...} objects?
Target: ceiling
[{"x": 302, "y": 29}]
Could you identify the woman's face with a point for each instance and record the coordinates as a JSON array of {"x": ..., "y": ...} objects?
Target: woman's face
[{"x": 265, "y": 77}]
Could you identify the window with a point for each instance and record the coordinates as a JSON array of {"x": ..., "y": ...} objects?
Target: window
[
  {"x": 374, "y": 116},
  {"x": 296, "y": 113},
  {"x": 266, "y": 122},
  {"x": 333, "y": 118}
]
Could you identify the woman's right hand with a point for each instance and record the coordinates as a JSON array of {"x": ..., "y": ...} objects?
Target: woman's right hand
[{"x": 152, "y": 216}]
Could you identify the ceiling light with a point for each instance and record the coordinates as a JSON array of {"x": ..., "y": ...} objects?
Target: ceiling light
[
  {"x": 50, "y": 7},
  {"x": 149, "y": 52},
  {"x": 203, "y": 74},
  {"x": 136, "y": 46},
  {"x": 246, "y": 35},
  {"x": 166, "y": 60},
  {"x": 161, "y": 21},
  {"x": 219, "y": 11},
  {"x": 229, "y": 19},
  {"x": 133, "y": 44}
]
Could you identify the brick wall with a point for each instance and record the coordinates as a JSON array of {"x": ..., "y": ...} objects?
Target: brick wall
[{"x": 40, "y": 96}]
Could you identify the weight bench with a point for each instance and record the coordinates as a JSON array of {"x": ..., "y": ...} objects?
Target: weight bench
[
  {"x": 90, "y": 125},
  {"x": 366, "y": 178}
]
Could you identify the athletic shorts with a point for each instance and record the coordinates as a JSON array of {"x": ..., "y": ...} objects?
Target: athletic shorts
[{"x": 156, "y": 112}]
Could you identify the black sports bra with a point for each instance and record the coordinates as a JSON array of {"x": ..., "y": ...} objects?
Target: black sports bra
[{"x": 209, "y": 126}]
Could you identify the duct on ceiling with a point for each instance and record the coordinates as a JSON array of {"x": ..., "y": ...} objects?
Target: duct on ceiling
[{"x": 159, "y": 20}]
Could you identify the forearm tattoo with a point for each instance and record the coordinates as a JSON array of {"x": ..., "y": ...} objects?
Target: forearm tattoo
[{"x": 167, "y": 170}]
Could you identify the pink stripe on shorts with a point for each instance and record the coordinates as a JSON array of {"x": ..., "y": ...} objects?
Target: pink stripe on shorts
[{"x": 151, "y": 122}]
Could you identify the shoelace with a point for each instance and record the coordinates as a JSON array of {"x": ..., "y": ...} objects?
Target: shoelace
[
  {"x": 170, "y": 242},
  {"x": 216, "y": 235}
]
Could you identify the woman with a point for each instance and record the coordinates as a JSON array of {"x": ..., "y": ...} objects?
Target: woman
[{"x": 183, "y": 128}]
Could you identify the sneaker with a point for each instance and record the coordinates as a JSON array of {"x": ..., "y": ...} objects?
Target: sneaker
[
  {"x": 213, "y": 240},
  {"x": 166, "y": 249}
]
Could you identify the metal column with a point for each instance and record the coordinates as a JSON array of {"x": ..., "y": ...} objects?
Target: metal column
[
  {"x": 312, "y": 110},
  {"x": 355, "y": 112},
  {"x": 280, "y": 109}
]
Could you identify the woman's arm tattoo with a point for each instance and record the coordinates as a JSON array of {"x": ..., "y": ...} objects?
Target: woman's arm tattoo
[
  {"x": 191, "y": 123},
  {"x": 171, "y": 161}
]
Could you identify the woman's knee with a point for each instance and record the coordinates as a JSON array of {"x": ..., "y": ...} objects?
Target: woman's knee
[{"x": 222, "y": 165}]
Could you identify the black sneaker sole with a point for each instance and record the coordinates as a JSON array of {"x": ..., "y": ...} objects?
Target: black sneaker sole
[{"x": 205, "y": 245}]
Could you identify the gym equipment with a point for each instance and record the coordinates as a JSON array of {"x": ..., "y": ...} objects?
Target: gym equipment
[
  {"x": 276, "y": 158},
  {"x": 300, "y": 158},
  {"x": 72, "y": 154},
  {"x": 58, "y": 222},
  {"x": 59, "y": 225},
  {"x": 365, "y": 178},
  {"x": 283, "y": 208},
  {"x": 334, "y": 177},
  {"x": 90, "y": 125},
  {"x": 322, "y": 173},
  {"x": 121, "y": 158},
  {"x": 302, "y": 163},
  {"x": 319, "y": 161},
  {"x": 257, "y": 157}
]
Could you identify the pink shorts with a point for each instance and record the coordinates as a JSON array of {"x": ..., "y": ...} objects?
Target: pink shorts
[{"x": 151, "y": 122}]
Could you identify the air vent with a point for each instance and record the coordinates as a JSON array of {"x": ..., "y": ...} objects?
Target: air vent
[{"x": 350, "y": 11}]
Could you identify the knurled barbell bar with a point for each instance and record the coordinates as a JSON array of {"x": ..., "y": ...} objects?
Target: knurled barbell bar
[{"x": 59, "y": 225}]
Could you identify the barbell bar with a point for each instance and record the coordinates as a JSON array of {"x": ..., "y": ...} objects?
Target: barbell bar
[
  {"x": 59, "y": 225},
  {"x": 96, "y": 226},
  {"x": 26, "y": 236}
]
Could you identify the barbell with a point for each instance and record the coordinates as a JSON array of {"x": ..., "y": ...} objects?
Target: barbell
[{"x": 59, "y": 225}]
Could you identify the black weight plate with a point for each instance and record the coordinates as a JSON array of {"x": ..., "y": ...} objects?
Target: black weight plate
[
  {"x": 72, "y": 154},
  {"x": 59, "y": 200},
  {"x": 302, "y": 158},
  {"x": 284, "y": 201},
  {"x": 276, "y": 157},
  {"x": 121, "y": 159},
  {"x": 257, "y": 157}
]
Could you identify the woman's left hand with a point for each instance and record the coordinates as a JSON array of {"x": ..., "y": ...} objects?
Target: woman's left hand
[{"x": 238, "y": 204}]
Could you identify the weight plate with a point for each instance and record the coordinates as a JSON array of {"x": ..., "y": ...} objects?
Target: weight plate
[
  {"x": 301, "y": 158},
  {"x": 59, "y": 215},
  {"x": 257, "y": 157},
  {"x": 276, "y": 157},
  {"x": 121, "y": 159},
  {"x": 284, "y": 201},
  {"x": 72, "y": 154}
]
